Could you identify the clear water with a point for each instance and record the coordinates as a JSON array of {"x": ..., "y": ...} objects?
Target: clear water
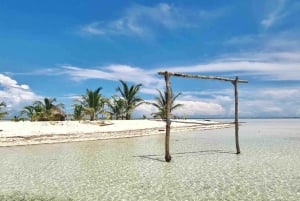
[{"x": 203, "y": 167}]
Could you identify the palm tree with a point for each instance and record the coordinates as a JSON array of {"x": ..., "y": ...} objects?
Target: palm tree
[
  {"x": 161, "y": 104},
  {"x": 78, "y": 112},
  {"x": 2, "y": 114},
  {"x": 93, "y": 102},
  {"x": 117, "y": 107},
  {"x": 129, "y": 94},
  {"x": 39, "y": 113},
  {"x": 47, "y": 110},
  {"x": 29, "y": 111}
]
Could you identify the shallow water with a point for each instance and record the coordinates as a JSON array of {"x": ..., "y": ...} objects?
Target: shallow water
[{"x": 203, "y": 167}]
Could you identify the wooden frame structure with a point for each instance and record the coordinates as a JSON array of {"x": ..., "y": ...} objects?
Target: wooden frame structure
[{"x": 167, "y": 76}]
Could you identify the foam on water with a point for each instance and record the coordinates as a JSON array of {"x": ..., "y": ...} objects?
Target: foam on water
[{"x": 203, "y": 167}]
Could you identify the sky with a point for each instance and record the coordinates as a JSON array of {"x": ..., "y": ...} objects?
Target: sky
[{"x": 58, "y": 49}]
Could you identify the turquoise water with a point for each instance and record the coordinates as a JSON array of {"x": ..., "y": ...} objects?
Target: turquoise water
[{"x": 203, "y": 167}]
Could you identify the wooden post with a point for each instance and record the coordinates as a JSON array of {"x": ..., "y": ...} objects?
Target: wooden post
[
  {"x": 168, "y": 96},
  {"x": 236, "y": 115},
  {"x": 168, "y": 120}
]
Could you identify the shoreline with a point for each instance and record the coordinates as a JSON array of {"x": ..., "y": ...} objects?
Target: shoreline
[{"x": 33, "y": 133}]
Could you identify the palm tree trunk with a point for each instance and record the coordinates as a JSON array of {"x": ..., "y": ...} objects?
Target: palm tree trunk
[
  {"x": 168, "y": 121},
  {"x": 92, "y": 116}
]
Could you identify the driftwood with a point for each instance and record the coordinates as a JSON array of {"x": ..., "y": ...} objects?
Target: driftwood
[{"x": 168, "y": 96}]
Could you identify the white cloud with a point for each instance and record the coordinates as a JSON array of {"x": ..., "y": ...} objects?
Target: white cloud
[
  {"x": 269, "y": 66},
  {"x": 209, "y": 102},
  {"x": 190, "y": 108},
  {"x": 115, "y": 72},
  {"x": 262, "y": 101},
  {"x": 276, "y": 14},
  {"x": 151, "y": 80},
  {"x": 150, "y": 90},
  {"x": 139, "y": 20},
  {"x": 144, "y": 109},
  {"x": 276, "y": 55},
  {"x": 270, "y": 101},
  {"x": 198, "y": 108},
  {"x": 14, "y": 94},
  {"x": 7, "y": 82},
  {"x": 136, "y": 19},
  {"x": 93, "y": 29},
  {"x": 281, "y": 93},
  {"x": 258, "y": 102}
]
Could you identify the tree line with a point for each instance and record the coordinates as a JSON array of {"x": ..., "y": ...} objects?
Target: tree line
[{"x": 93, "y": 104}]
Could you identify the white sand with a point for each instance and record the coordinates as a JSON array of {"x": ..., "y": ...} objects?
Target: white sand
[{"x": 25, "y": 133}]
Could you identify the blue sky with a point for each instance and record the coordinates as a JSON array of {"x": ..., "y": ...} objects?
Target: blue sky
[{"x": 61, "y": 48}]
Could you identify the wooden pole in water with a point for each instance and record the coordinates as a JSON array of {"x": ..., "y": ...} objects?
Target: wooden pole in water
[
  {"x": 236, "y": 115},
  {"x": 168, "y": 120},
  {"x": 168, "y": 95}
]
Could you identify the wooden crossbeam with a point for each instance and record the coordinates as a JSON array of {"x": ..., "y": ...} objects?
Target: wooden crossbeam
[
  {"x": 167, "y": 75},
  {"x": 202, "y": 77}
]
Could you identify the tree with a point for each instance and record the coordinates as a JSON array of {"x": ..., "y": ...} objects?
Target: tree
[
  {"x": 29, "y": 111},
  {"x": 129, "y": 95},
  {"x": 48, "y": 111},
  {"x": 93, "y": 103},
  {"x": 2, "y": 114},
  {"x": 44, "y": 110},
  {"x": 161, "y": 104},
  {"x": 117, "y": 107},
  {"x": 78, "y": 112}
]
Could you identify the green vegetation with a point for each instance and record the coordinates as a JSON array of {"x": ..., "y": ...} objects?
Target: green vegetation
[
  {"x": 2, "y": 113},
  {"x": 161, "y": 104},
  {"x": 129, "y": 95},
  {"x": 78, "y": 113},
  {"x": 29, "y": 111},
  {"x": 93, "y": 104},
  {"x": 117, "y": 108},
  {"x": 44, "y": 111}
]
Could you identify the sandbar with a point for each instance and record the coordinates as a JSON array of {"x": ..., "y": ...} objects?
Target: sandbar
[{"x": 31, "y": 133}]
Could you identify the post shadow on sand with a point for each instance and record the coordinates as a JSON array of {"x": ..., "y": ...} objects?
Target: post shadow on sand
[{"x": 159, "y": 158}]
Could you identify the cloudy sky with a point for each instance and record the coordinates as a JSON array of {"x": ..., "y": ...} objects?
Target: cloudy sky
[{"x": 58, "y": 49}]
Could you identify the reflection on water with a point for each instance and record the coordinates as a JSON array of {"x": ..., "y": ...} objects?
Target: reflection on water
[{"x": 203, "y": 167}]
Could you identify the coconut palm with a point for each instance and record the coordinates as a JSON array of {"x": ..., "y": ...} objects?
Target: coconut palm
[
  {"x": 48, "y": 111},
  {"x": 129, "y": 94},
  {"x": 78, "y": 112},
  {"x": 93, "y": 102},
  {"x": 2, "y": 114},
  {"x": 29, "y": 111},
  {"x": 161, "y": 104},
  {"x": 117, "y": 107}
]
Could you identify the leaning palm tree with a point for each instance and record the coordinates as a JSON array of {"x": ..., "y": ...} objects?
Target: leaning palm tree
[
  {"x": 2, "y": 114},
  {"x": 129, "y": 94},
  {"x": 92, "y": 102},
  {"x": 161, "y": 104}
]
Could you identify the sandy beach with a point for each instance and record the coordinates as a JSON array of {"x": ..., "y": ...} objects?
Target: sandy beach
[{"x": 29, "y": 133}]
